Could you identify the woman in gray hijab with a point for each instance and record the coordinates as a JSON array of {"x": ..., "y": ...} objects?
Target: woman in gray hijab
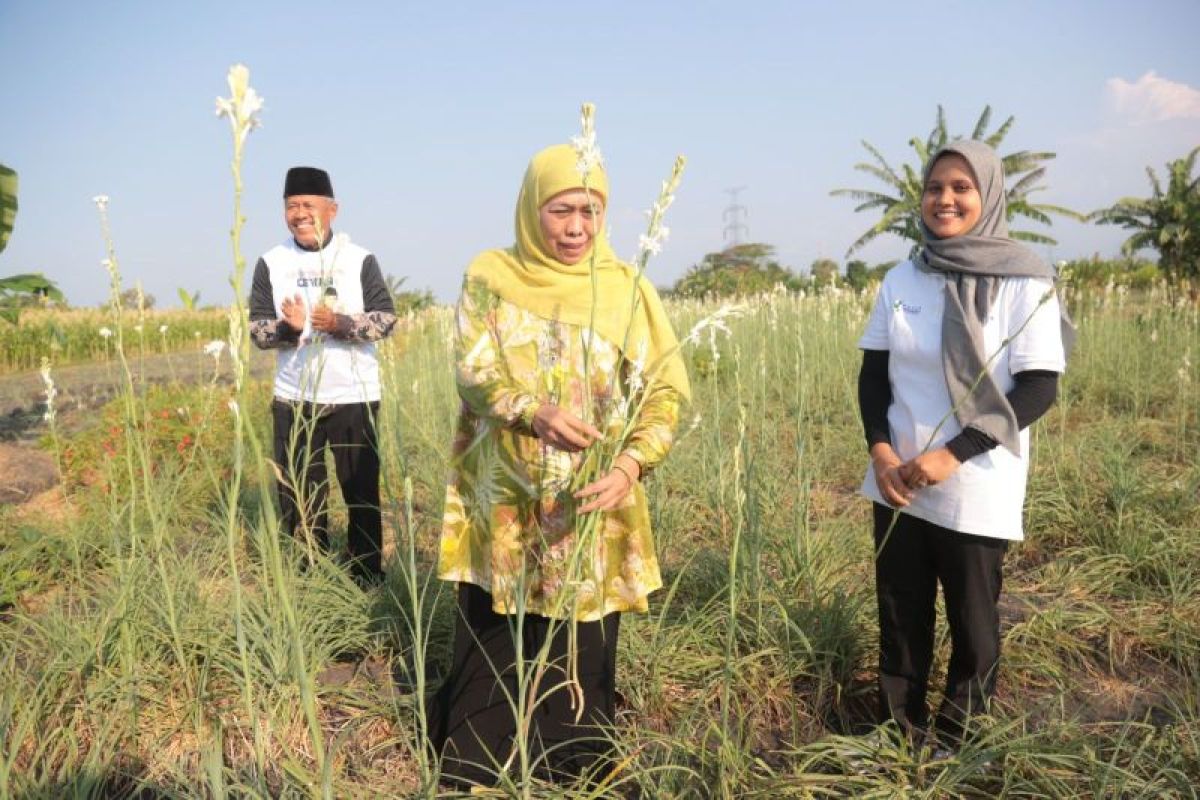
[{"x": 961, "y": 354}]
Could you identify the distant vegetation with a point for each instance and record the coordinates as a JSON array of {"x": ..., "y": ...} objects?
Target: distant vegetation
[
  {"x": 752, "y": 269},
  {"x": 408, "y": 300},
  {"x": 747, "y": 269}
]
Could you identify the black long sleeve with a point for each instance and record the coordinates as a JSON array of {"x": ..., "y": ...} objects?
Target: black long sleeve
[
  {"x": 1034, "y": 392},
  {"x": 262, "y": 295},
  {"x": 874, "y": 396},
  {"x": 376, "y": 296}
]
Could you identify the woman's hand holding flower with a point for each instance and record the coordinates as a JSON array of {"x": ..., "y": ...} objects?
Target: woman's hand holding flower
[
  {"x": 561, "y": 429},
  {"x": 608, "y": 492},
  {"x": 929, "y": 469},
  {"x": 892, "y": 485}
]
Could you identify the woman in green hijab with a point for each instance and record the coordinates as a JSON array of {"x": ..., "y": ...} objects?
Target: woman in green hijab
[{"x": 556, "y": 342}]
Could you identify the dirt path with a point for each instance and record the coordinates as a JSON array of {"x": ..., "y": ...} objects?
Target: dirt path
[{"x": 85, "y": 387}]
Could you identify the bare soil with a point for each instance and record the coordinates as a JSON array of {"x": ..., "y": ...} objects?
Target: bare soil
[
  {"x": 83, "y": 388},
  {"x": 86, "y": 387}
]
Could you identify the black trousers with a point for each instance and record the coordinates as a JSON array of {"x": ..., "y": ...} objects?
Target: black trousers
[
  {"x": 916, "y": 556},
  {"x": 302, "y": 432},
  {"x": 474, "y": 726}
]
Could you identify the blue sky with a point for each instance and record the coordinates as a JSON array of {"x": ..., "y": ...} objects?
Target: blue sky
[{"x": 426, "y": 114}]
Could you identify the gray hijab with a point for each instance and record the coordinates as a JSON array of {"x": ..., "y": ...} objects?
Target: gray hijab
[{"x": 973, "y": 266}]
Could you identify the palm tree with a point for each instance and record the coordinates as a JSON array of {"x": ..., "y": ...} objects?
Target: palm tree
[
  {"x": 902, "y": 209},
  {"x": 1168, "y": 222}
]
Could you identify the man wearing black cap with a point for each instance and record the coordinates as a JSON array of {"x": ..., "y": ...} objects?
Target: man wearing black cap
[{"x": 322, "y": 303}]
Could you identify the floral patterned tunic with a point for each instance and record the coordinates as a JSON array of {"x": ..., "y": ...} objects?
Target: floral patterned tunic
[{"x": 509, "y": 524}]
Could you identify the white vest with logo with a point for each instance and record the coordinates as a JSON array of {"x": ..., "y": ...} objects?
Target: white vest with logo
[{"x": 322, "y": 369}]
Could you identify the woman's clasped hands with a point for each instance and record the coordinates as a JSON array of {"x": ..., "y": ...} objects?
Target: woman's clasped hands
[
  {"x": 563, "y": 430},
  {"x": 899, "y": 480}
]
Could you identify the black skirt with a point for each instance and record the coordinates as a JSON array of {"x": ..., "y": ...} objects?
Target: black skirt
[{"x": 474, "y": 725}]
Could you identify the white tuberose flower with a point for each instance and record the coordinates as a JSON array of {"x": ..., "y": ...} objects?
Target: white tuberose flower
[
  {"x": 585, "y": 143},
  {"x": 101, "y": 201},
  {"x": 105, "y": 333},
  {"x": 51, "y": 392},
  {"x": 653, "y": 244},
  {"x": 215, "y": 348},
  {"x": 715, "y": 322},
  {"x": 244, "y": 105}
]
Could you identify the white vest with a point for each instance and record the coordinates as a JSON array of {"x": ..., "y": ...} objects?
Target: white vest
[{"x": 322, "y": 369}]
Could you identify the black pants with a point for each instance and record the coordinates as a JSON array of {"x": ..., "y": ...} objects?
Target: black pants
[
  {"x": 474, "y": 726},
  {"x": 916, "y": 556},
  {"x": 302, "y": 432}
]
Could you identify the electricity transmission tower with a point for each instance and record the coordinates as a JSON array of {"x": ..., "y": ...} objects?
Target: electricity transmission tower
[{"x": 734, "y": 217}]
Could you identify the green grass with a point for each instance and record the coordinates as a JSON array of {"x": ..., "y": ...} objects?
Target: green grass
[{"x": 135, "y": 660}]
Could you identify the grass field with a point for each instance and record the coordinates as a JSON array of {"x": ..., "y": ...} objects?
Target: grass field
[{"x": 162, "y": 639}]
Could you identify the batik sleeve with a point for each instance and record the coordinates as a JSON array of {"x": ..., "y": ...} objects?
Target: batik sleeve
[
  {"x": 654, "y": 432},
  {"x": 481, "y": 372},
  {"x": 378, "y": 316}
]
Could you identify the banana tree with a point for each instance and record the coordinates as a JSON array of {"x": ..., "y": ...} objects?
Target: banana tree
[
  {"x": 8, "y": 203},
  {"x": 18, "y": 288},
  {"x": 1168, "y": 221}
]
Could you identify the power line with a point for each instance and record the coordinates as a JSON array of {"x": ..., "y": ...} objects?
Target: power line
[{"x": 734, "y": 217}]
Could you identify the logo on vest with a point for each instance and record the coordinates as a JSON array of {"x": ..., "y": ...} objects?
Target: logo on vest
[{"x": 314, "y": 281}]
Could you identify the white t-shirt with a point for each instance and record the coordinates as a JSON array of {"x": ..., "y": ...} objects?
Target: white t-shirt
[{"x": 985, "y": 494}]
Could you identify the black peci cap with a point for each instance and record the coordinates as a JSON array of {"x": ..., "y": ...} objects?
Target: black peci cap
[{"x": 307, "y": 180}]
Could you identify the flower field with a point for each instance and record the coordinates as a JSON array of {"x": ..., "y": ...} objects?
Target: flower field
[{"x": 159, "y": 639}]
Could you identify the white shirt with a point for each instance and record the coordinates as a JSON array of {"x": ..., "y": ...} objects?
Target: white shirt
[{"x": 984, "y": 496}]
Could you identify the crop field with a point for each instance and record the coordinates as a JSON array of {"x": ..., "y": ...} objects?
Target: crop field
[
  {"x": 160, "y": 638},
  {"x": 85, "y": 335}
]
